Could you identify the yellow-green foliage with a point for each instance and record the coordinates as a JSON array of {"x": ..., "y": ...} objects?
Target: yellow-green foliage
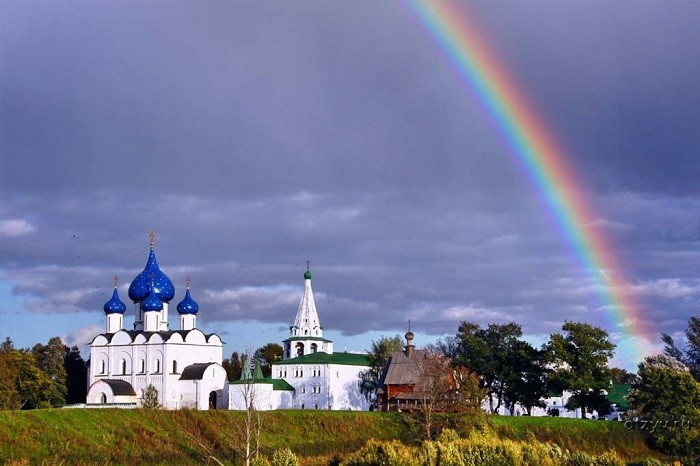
[
  {"x": 479, "y": 449},
  {"x": 284, "y": 457},
  {"x": 260, "y": 461}
]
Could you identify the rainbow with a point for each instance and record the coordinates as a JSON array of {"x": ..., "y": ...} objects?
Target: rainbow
[{"x": 546, "y": 164}]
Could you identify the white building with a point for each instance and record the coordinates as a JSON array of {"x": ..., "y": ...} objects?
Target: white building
[
  {"x": 184, "y": 365},
  {"x": 310, "y": 375}
]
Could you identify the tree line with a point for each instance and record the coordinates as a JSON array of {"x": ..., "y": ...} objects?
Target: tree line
[
  {"x": 495, "y": 363},
  {"x": 44, "y": 376}
]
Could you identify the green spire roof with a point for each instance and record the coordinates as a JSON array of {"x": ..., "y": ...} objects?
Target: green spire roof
[
  {"x": 245, "y": 373},
  {"x": 257, "y": 373}
]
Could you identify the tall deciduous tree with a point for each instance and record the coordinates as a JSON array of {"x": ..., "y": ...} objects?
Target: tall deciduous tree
[
  {"x": 76, "y": 375},
  {"x": 50, "y": 359},
  {"x": 691, "y": 356},
  {"x": 33, "y": 385},
  {"x": 526, "y": 377},
  {"x": 266, "y": 355},
  {"x": 581, "y": 357},
  {"x": 667, "y": 398},
  {"x": 9, "y": 396},
  {"x": 435, "y": 388},
  {"x": 379, "y": 354},
  {"x": 489, "y": 352}
]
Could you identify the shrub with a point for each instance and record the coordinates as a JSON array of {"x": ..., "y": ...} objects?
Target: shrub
[
  {"x": 284, "y": 457},
  {"x": 260, "y": 461},
  {"x": 391, "y": 453}
]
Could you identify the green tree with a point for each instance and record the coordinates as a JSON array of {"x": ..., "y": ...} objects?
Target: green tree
[
  {"x": 691, "y": 355},
  {"x": 266, "y": 355},
  {"x": 621, "y": 376},
  {"x": 50, "y": 359},
  {"x": 233, "y": 366},
  {"x": 32, "y": 384},
  {"x": 76, "y": 375},
  {"x": 490, "y": 353},
  {"x": 581, "y": 358},
  {"x": 526, "y": 377},
  {"x": 666, "y": 397},
  {"x": 379, "y": 355},
  {"x": 9, "y": 396},
  {"x": 150, "y": 398},
  {"x": 24, "y": 385}
]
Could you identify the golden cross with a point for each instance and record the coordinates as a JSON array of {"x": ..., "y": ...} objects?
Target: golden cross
[{"x": 152, "y": 236}]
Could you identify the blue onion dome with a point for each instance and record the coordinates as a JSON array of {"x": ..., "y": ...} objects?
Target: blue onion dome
[
  {"x": 115, "y": 305},
  {"x": 152, "y": 302},
  {"x": 151, "y": 276},
  {"x": 187, "y": 305}
]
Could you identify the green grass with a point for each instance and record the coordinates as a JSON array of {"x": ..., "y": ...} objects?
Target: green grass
[
  {"x": 89, "y": 436},
  {"x": 575, "y": 434}
]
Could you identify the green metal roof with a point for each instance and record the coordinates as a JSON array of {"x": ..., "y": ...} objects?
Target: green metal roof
[
  {"x": 345, "y": 359},
  {"x": 302, "y": 338},
  {"x": 277, "y": 384},
  {"x": 618, "y": 395}
]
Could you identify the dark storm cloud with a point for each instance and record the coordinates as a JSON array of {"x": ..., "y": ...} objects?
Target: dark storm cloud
[
  {"x": 253, "y": 137},
  {"x": 616, "y": 81}
]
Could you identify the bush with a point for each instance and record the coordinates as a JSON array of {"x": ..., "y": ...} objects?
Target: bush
[
  {"x": 260, "y": 461},
  {"x": 284, "y": 457},
  {"x": 391, "y": 453}
]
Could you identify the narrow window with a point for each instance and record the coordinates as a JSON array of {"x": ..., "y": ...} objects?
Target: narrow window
[
  {"x": 174, "y": 367},
  {"x": 157, "y": 366},
  {"x": 122, "y": 366},
  {"x": 102, "y": 367},
  {"x": 142, "y": 366},
  {"x": 314, "y": 347}
]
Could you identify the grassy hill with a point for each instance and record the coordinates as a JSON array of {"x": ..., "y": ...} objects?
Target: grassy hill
[{"x": 77, "y": 436}]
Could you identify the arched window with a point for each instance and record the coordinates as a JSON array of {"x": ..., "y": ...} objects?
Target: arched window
[
  {"x": 157, "y": 366},
  {"x": 306, "y": 331},
  {"x": 103, "y": 398},
  {"x": 314, "y": 347},
  {"x": 300, "y": 349},
  {"x": 174, "y": 367},
  {"x": 102, "y": 367},
  {"x": 142, "y": 366},
  {"x": 122, "y": 366}
]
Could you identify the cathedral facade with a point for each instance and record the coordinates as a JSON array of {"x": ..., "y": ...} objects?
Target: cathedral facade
[{"x": 184, "y": 364}]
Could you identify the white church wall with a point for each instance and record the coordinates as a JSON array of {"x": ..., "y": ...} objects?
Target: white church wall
[
  {"x": 344, "y": 388},
  {"x": 261, "y": 395}
]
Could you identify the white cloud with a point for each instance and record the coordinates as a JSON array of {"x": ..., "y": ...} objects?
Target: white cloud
[
  {"x": 669, "y": 288},
  {"x": 81, "y": 337},
  {"x": 15, "y": 227}
]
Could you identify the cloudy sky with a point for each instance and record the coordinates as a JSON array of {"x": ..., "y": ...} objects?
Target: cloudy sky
[{"x": 252, "y": 136}]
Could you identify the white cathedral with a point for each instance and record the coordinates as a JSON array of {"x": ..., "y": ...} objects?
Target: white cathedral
[{"x": 184, "y": 365}]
